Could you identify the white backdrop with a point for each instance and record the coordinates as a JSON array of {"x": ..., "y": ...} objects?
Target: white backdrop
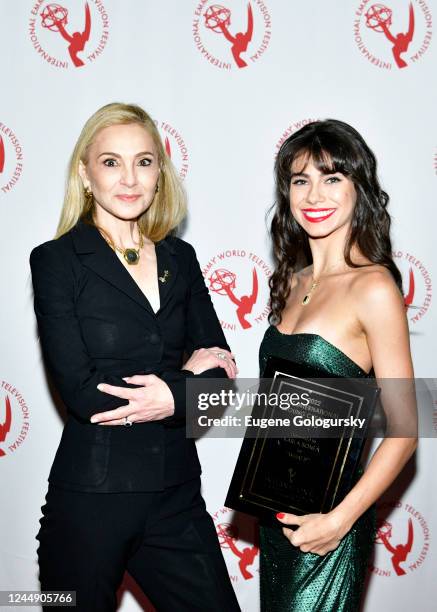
[{"x": 222, "y": 124}]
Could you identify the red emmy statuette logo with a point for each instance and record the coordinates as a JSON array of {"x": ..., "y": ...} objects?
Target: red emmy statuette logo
[
  {"x": 175, "y": 147},
  {"x": 234, "y": 274},
  {"x": 238, "y": 538},
  {"x": 417, "y": 285},
  {"x": 54, "y": 18},
  {"x": 379, "y": 19},
  {"x": 409, "y": 296},
  {"x": 2, "y": 154},
  {"x": 223, "y": 282},
  {"x": 5, "y": 427},
  {"x": 87, "y": 37},
  {"x": 403, "y": 536},
  {"x": 228, "y": 538},
  {"x": 218, "y": 18},
  {"x": 250, "y": 38},
  {"x": 11, "y": 159},
  {"x": 399, "y": 552},
  {"x": 14, "y": 420},
  {"x": 410, "y": 34}
]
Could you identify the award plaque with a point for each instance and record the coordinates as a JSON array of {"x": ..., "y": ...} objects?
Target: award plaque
[{"x": 306, "y": 468}]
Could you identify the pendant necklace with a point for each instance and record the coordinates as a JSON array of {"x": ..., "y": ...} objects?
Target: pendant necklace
[
  {"x": 130, "y": 255},
  {"x": 307, "y": 299}
]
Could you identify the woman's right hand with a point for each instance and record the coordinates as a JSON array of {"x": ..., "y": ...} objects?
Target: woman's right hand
[{"x": 208, "y": 358}]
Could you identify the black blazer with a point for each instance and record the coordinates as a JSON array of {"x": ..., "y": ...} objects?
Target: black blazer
[{"x": 96, "y": 325}]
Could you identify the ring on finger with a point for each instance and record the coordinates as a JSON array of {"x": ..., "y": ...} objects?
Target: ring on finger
[
  {"x": 221, "y": 355},
  {"x": 127, "y": 423}
]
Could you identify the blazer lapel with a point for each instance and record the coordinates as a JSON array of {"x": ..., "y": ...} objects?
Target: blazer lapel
[{"x": 96, "y": 254}]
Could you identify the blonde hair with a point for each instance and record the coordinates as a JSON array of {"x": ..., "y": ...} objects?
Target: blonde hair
[{"x": 168, "y": 207}]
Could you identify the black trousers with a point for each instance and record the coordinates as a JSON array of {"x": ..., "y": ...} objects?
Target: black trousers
[{"x": 165, "y": 540}]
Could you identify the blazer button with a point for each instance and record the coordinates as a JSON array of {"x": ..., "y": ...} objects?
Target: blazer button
[{"x": 154, "y": 338}]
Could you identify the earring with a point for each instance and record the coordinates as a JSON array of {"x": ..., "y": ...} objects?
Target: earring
[
  {"x": 157, "y": 188},
  {"x": 88, "y": 195}
]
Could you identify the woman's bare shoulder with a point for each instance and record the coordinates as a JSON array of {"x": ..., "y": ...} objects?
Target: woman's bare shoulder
[
  {"x": 372, "y": 279},
  {"x": 373, "y": 288}
]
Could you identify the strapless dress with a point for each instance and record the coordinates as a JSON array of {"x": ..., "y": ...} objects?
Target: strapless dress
[{"x": 290, "y": 580}]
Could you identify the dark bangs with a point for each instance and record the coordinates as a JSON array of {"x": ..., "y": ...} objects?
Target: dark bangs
[{"x": 326, "y": 161}]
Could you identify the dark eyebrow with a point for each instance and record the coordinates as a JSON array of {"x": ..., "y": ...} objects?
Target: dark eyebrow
[
  {"x": 117, "y": 155},
  {"x": 293, "y": 174},
  {"x": 299, "y": 174}
]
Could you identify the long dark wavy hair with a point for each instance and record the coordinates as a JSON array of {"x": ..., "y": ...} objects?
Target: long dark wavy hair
[{"x": 333, "y": 146}]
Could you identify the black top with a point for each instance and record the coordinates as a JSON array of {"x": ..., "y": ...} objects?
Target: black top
[{"x": 96, "y": 325}]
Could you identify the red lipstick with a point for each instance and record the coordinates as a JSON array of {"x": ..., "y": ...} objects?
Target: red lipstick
[{"x": 309, "y": 215}]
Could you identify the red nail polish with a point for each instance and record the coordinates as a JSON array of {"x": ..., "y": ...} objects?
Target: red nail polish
[{"x": 280, "y": 515}]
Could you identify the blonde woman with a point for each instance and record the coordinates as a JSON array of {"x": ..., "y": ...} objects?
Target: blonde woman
[{"x": 119, "y": 302}]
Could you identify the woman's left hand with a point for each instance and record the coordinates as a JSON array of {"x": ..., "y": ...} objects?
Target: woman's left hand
[
  {"x": 316, "y": 533},
  {"x": 152, "y": 401}
]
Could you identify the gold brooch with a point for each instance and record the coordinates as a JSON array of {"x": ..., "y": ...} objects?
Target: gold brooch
[{"x": 164, "y": 277}]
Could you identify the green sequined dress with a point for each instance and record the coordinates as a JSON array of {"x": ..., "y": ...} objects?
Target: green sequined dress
[{"x": 293, "y": 581}]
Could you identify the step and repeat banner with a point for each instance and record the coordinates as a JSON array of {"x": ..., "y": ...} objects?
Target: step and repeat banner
[{"x": 226, "y": 84}]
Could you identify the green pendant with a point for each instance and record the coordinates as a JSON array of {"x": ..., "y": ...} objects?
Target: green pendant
[{"x": 132, "y": 256}]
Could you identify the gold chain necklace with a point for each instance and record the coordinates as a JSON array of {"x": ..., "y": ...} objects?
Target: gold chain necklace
[
  {"x": 307, "y": 298},
  {"x": 131, "y": 255}
]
